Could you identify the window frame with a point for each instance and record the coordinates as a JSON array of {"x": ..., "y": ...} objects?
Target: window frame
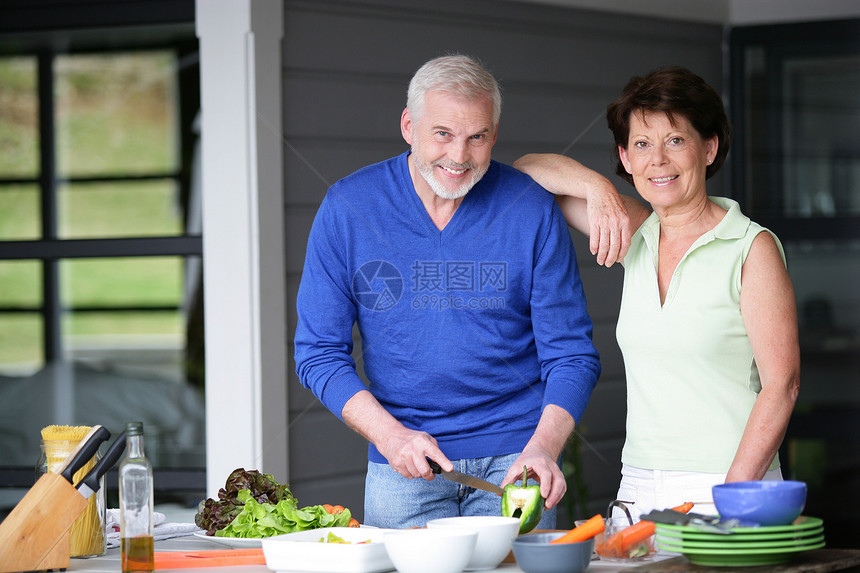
[
  {"x": 50, "y": 249},
  {"x": 80, "y": 28}
]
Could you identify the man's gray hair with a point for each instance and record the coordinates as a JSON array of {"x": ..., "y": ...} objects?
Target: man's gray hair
[{"x": 457, "y": 74}]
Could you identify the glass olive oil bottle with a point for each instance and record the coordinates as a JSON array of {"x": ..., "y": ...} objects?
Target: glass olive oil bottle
[{"x": 135, "y": 504}]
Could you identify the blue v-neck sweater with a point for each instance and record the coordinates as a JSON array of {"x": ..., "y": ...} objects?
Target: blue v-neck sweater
[{"x": 466, "y": 333}]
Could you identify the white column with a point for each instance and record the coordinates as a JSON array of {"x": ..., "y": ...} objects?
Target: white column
[{"x": 243, "y": 238}]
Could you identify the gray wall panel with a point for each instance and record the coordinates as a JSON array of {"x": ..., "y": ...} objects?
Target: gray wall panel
[
  {"x": 322, "y": 448},
  {"x": 602, "y": 304},
  {"x": 298, "y": 225},
  {"x": 311, "y": 165},
  {"x": 346, "y": 67},
  {"x": 606, "y": 410},
  {"x": 360, "y": 108},
  {"x": 610, "y": 354}
]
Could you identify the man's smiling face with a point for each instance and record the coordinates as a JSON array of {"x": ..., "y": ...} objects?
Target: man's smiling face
[{"x": 451, "y": 141}]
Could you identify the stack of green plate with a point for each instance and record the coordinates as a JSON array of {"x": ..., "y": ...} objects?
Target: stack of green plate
[{"x": 744, "y": 546}]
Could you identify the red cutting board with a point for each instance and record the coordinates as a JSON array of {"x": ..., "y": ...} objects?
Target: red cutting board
[{"x": 213, "y": 558}]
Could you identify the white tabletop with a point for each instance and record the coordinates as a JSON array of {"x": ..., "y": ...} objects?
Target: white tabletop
[{"x": 111, "y": 561}]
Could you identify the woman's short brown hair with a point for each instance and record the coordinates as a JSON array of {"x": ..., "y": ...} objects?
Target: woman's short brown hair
[{"x": 673, "y": 91}]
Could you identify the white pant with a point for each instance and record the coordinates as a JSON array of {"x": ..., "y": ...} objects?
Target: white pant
[{"x": 643, "y": 490}]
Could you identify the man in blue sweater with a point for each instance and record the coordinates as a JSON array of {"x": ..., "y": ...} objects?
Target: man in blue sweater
[{"x": 461, "y": 276}]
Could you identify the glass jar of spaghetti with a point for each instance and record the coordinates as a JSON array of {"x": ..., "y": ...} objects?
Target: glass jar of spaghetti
[{"x": 87, "y": 534}]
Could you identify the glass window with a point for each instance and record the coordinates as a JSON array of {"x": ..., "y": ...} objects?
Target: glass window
[
  {"x": 138, "y": 281},
  {"x": 21, "y": 348},
  {"x": 800, "y": 138},
  {"x": 20, "y": 213},
  {"x": 126, "y": 314},
  {"x": 20, "y": 283},
  {"x": 21, "y": 345},
  {"x": 120, "y": 209},
  {"x": 115, "y": 114},
  {"x": 102, "y": 323},
  {"x": 19, "y": 117},
  {"x": 821, "y": 118}
]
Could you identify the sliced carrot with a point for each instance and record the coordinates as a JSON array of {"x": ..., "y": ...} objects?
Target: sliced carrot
[
  {"x": 585, "y": 531},
  {"x": 636, "y": 533},
  {"x": 610, "y": 547},
  {"x": 623, "y": 541}
]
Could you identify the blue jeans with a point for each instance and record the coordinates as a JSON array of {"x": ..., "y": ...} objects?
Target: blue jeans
[{"x": 391, "y": 500}]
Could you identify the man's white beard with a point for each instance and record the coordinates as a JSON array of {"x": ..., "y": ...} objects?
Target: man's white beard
[{"x": 426, "y": 170}]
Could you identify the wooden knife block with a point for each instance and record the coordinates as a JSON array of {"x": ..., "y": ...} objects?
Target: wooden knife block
[{"x": 35, "y": 535}]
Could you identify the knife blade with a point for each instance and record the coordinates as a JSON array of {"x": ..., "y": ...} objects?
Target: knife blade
[
  {"x": 82, "y": 453},
  {"x": 90, "y": 483},
  {"x": 708, "y": 523},
  {"x": 465, "y": 479}
]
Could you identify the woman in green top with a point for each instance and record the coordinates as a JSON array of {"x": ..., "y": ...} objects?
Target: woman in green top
[{"x": 708, "y": 324}]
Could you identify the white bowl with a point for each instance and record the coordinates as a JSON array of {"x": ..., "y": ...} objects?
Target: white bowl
[
  {"x": 437, "y": 550},
  {"x": 364, "y": 551},
  {"x": 495, "y": 536}
]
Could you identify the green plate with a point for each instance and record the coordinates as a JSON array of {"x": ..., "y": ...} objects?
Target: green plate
[
  {"x": 738, "y": 537},
  {"x": 801, "y": 523},
  {"x": 730, "y": 551},
  {"x": 743, "y": 546},
  {"x": 739, "y": 558}
]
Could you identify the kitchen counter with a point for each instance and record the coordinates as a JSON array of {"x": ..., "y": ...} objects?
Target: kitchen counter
[
  {"x": 111, "y": 561},
  {"x": 817, "y": 561}
]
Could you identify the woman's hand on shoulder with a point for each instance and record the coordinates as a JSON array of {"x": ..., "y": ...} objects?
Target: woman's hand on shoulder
[{"x": 589, "y": 202}]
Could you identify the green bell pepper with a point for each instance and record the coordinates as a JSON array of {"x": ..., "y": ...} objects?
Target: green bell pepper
[{"x": 523, "y": 501}]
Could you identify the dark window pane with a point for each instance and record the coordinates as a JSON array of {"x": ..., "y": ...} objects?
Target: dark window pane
[
  {"x": 119, "y": 209},
  {"x": 116, "y": 114},
  {"x": 822, "y": 136},
  {"x": 19, "y": 114},
  {"x": 802, "y": 135},
  {"x": 825, "y": 275}
]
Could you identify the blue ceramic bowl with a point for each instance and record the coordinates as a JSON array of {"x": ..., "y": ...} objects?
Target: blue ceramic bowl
[
  {"x": 535, "y": 554},
  {"x": 763, "y": 502}
]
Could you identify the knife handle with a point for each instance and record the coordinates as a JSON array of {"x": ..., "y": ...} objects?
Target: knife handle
[
  {"x": 84, "y": 451},
  {"x": 434, "y": 467},
  {"x": 91, "y": 480}
]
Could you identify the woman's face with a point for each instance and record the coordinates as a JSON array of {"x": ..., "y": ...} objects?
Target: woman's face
[{"x": 667, "y": 162}]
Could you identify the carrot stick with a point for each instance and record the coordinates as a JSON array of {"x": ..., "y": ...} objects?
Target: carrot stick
[
  {"x": 585, "y": 531},
  {"x": 641, "y": 531}
]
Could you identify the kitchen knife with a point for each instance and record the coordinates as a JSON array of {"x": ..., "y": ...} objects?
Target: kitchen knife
[
  {"x": 84, "y": 451},
  {"x": 465, "y": 479},
  {"x": 90, "y": 483},
  {"x": 708, "y": 523}
]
